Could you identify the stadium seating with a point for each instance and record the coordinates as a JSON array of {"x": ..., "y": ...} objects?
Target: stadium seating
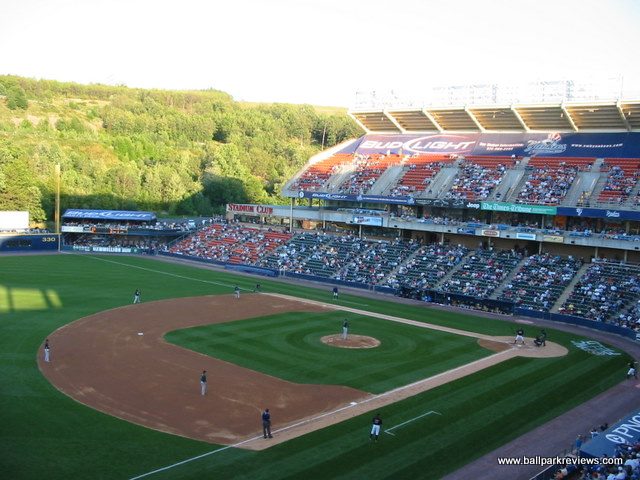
[
  {"x": 547, "y": 185},
  {"x": 540, "y": 281},
  {"x": 604, "y": 291},
  {"x": 621, "y": 180},
  {"x": 428, "y": 266},
  {"x": 315, "y": 177},
  {"x": 418, "y": 173},
  {"x": 369, "y": 169},
  {"x": 481, "y": 273},
  {"x": 477, "y": 178}
]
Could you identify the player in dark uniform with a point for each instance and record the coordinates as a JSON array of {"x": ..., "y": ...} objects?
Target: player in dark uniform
[
  {"x": 266, "y": 424},
  {"x": 519, "y": 336},
  {"x": 541, "y": 339}
]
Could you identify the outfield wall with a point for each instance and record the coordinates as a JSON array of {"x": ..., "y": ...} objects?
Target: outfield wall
[{"x": 29, "y": 242}]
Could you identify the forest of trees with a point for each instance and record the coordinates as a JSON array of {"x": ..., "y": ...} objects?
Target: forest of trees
[{"x": 185, "y": 153}]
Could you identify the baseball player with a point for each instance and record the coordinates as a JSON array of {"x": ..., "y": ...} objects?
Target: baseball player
[
  {"x": 136, "y": 296},
  {"x": 345, "y": 329},
  {"x": 203, "y": 383},
  {"x": 632, "y": 372},
  {"x": 335, "y": 292},
  {"x": 236, "y": 291},
  {"x": 375, "y": 428},
  {"x": 47, "y": 357},
  {"x": 519, "y": 336},
  {"x": 266, "y": 424}
]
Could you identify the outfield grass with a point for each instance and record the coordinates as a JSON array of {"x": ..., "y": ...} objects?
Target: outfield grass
[{"x": 45, "y": 433}]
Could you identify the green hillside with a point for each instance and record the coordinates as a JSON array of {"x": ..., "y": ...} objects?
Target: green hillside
[{"x": 180, "y": 152}]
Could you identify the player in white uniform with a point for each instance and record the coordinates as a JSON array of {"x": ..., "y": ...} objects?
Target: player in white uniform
[
  {"x": 203, "y": 383},
  {"x": 375, "y": 428},
  {"x": 345, "y": 329}
]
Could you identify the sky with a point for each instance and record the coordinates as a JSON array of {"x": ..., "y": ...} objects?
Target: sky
[{"x": 318, "y": 52}]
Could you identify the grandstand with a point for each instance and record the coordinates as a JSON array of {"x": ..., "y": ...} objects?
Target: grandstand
[
  {"x": 519, "y": 209},
  {"x": 528, "y": 196}
]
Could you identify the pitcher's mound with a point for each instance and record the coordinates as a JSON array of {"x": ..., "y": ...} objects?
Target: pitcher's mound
[{"x": 352, "y": 341}]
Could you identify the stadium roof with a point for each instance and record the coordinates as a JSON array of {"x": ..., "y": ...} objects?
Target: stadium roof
[{"x": 601, "y": 116}]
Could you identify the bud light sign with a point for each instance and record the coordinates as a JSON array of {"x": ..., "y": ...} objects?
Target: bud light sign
[{"x": 427, "y": 144}]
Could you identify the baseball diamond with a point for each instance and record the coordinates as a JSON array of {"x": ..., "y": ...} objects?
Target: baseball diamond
[
  {"x": 126, "y": 359},
  {"x": 142, "y": 362}
]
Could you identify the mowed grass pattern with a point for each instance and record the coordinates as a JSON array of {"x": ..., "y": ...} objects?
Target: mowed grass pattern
[
  {"x": 46, "y": 434},
  {"x": 289, "y": 346}
]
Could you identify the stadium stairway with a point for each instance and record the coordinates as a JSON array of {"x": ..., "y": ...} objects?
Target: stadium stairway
[
  {"x": 441, "y": 182},
  {"x": 518, "y": 184},
  {"x": 569, "y": 288},
  {"x": 586, "y": 183},
  {"x": 498, "y": 291},
  {"x": 504, "y": 189},
  {"x": 386, "y": 180},
  {"x": 597, "y": 189}
]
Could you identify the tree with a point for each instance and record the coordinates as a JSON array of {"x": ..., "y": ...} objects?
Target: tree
[{"x": 16, "y": 98}]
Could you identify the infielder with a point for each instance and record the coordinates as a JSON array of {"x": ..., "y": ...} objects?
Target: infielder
[
  {"x": 203, "y": 383},
  {"x": 47, "y": 358},
  {"x": 136, "y": 296},
  {"x": 236, "y": 292}
]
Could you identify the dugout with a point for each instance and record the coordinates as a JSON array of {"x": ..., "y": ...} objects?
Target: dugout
[
  {"x": 458, "y": 300},
  {"x": 624, "y": 432}
]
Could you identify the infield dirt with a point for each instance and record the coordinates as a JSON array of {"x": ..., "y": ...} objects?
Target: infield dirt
[{"x": 118, "y": 362}]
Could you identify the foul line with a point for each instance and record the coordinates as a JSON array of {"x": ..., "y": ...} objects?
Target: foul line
[
  {"x": 388, "y": 430},
  {"x": 159, "y": 271},
  {"x": 192, "y": 459}
]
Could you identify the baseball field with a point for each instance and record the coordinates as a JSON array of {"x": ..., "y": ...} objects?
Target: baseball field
[{"x": 121, "y": 397}]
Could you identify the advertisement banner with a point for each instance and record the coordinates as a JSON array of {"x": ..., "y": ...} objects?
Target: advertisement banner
[
  {"x": 526, "y": 236},
  {"x": 562, "y": 144},
  {"x": 518, "y": 208},
  {"x": 358, "y": 198},
  {"x": 599, "y": 213},
  {"x": 452, "y": 203},
  {"x": 362, "y": 220},
  {"x": 553, "y": 238},
  {"x": 102, "y": 215},
  {"x": 249, "y": 209},
  {"x": 456, "y": 144},
  {"x": 626, "y": 431}
]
